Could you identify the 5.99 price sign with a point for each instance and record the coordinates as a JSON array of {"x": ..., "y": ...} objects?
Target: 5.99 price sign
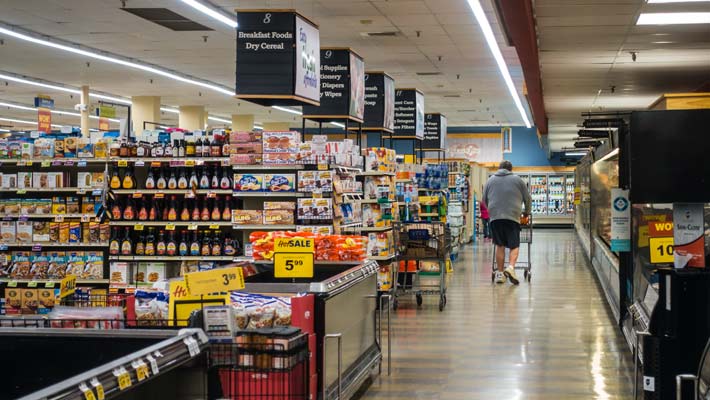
[{"x": 293, "y": 265}]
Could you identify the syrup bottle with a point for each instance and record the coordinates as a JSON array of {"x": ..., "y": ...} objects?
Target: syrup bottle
[
  {"x": 115, "y": 182},
  {"x": 205, "y": 212},
  {"x": 214, "y": 181},
  {"x": 182, "y": 182},
  {"x": 140, "y": 245},
  {"x": 206, "y": 248},
  {"x": 194, "y": 245},
  {"x": 129, "y": 213},
  {"x": 114, "y": 245},
  {"x": 172, "y": 182},
  {"x": 217, "y": 245},
  {"x": 150, "y": 180},
  {"x": 161, "y": 183},
  {"x": 171, "y": 246},
  {"x": 160, "y": 245},
  {"x": 127, "y": 243},
  {"x": 128, "y": 181},
  {"x": 230, "y": 249},
  {"x": 143, "y": 212},
  {"x": 185, "y": 214},
  {"x": 204, "y": 179},
  {"x": 216, "y": 215},
  {"x": 183, "y": 247},
  {"x": 153, "y": 213},
  {"x": 150, "y": 243},
  {"x": 227, "y": 211},
  {"x": 196, "y": 212},
  {"x": 172, "y": 210},
  {"x": 225, "y": 182}
]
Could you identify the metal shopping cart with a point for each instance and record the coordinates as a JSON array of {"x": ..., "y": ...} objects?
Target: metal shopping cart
[
  {"x": 526, "y": 236},
  {"x": 420, "y": 242}
]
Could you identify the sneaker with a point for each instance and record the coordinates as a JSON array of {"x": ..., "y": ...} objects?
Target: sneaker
[
  {"x": 500, "y": 278},
  {"x": 510, "y": 273}
]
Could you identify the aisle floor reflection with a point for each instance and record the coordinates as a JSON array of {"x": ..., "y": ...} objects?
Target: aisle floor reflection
[{"x": 550, "y": 339}]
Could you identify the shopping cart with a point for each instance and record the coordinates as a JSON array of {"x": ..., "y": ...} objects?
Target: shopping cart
[
  {"x": 526, "y": 236},
  {"x": 417, "y": 242}
]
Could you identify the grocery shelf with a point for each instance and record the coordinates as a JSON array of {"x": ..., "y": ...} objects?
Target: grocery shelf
[
  {"x": 171, "y": 191},
  {"x": 264, "y": 227},
  {"x": 177, "y": 223},
  {"x": 315, "y": 262},
  {"x": 260, "y": 167},
  {"x": 54, "y": 161},
  {"x": 428, "y": 214},
  {"x": 268, "y": 194},
  {"x": 382, "y": 258},
  {"x": 52, "y": 190},
  {"x": 52, "y": 244},
  {"x": 376, "y": 201},
  {"x": 41, "y": 282},
  {"x": 431, "y": 190},
  {"x": 47, "y": 216},
  {"x": 369, "y": 229},
  {"x": 456, "y": 173},
  {"x": 196, "y": 160},
  {"x": 403, "y": 180},
  {"x": 176, "y": 258},
  {"x": 376, "y": 173}
]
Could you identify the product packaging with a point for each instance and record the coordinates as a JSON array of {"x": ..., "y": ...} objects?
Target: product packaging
[
  {"x": 278, "y": 217},
  {"x": 279, "y": 182},
  {"x": 247, "y": 217},
  {"x": 248, "y": 182},
  {"x": 281, "y": 142}
]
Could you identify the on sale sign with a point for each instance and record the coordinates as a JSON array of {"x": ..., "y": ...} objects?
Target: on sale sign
[{"x": 44, "y": 120}]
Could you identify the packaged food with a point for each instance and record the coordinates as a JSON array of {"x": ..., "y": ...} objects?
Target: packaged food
[
  {"x": 12, "y": 206},
  {"x": 248, "y": 182},
  {"x": 47, "y": 300},
  {"x": 155, "y": 272},
  {"x": 27, "y": 206},
  {"x": 279, "y": 182},
  {"x": 24, "y": 231},
  {"x": 323, "y": 208},
  {"x": 74, "y": 232},
  {"x": 85, "y": 180},
  {"x": 85, "y": 149},
  {"x": 3, "y": 149},
  {"x": 26, "y": 150},
  {"x": 59, "y": 205},
  {"x": 86, "y": 317},
  {"x": 54, "y": 231},
  {"x": 76, "y": 262},
  {"x": 118, "y": 273},
  {"x": 8, "y": 231},
  {"x": 281, "y": 142},
  {"x": 247, "y": 217},
  {"x": 13, "y": 301},
  {"x": 72, "y": 205},
  {"x": 151, "y": 308},
  {"x": 24, "y": 180},
  {"x": 94, "y": 230},
  {"x": 245, "y": 137},
  {"x": 101, "y": 149},
  {"x": 57, "y": 265},
  {"x": 43, "y": 206},
  {"x": 94, "y": 268},
  {"x": 280, "y": 205},
  {"x": 40, "y": 231},
  {"x": 306, "y": 208},
  {"x": 21, "y": 265},
  {"x": 241, "y": 317},
  {"x": 58, "y": 146},
  {"x": 104, "y": 232},
  {"x": 39, "y": 268},
  {"x": 9, "y": 181},
  {"x": 70, "y": 147},
  {"x": 245, "y": 159},
  {"x": 63, "y": 232},
  {"x": 316, "y": 229},
  {"x": 14, "y": 149},
  {"x": 44, "y": 148},
  {"x": 140, "y": 275},
  {"x": 279, "y": 158},
  {"x": 307, "y": 181},
  {"x": 324, "y": 183},
  {"x": 261, "y": 316},
  {"x": 278, "y": 217},
  {"x": 29, "y": 301}
]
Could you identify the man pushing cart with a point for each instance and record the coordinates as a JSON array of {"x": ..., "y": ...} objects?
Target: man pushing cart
[{"x": 505, "y": 195}]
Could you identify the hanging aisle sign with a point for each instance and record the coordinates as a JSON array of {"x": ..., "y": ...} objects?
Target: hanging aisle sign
[
  {"x": 379, "y": 102},
  {"x": 620, "y": 220},
  {"x": 278, "y": 58},
  {"x": 409, "y": 113},
  {"x": 434, "y": 132},
  {"x": 342, "y": 90},
  {"x": 44, "y": 106}
]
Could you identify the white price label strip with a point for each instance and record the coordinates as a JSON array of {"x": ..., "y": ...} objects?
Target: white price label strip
[
  {"x": 99, "y": 389},
  {"x": 153, "y": 364},
  {"x": 141, "y": 369}
]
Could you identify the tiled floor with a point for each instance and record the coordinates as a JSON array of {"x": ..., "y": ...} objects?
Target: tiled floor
[{"x": 550, "y": 339}]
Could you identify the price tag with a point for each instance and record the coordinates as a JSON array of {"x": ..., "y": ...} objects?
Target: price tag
[
  {"x": 214, "y": 226},
  {"x": 293, "y": 265},
  {"x": 3, "y": 246},
  {"x": 88, "y": 393},
  {"x": 28, "y": 163},
  {"x": 85, "y": 218},
  {"x": 97, "y": 192},
  {"x": 49, "y": 284},
  {"x": 81, "y": 191},
  {"x": 192, "y": 227},
  {"x": 211, "y": 195},
  {"x": 32, "y": 284},
  {"x": 69, "y": 163},
  {"x": 23, "y": 217},
  {"x": 46, "y": 163},
  {"x": 12, "y": 284},
  {"x": 123, "y": 377},
  {"x": 21, "y": 191},
  {"x": 322, "y": 167},
  {"x": 138, "y": 227},
  {"x": 317, "y": 195},
  {"x": 122, "y": 163},
  {"x": 139, "y": 163},
  {"x": 200, "y": 162},
  {"x": 37, "y": 247},
  {"x": 81, "y": 163},
  {"x": 155, "y": 164},
  {"x": 99, "y": 389},
  {"x": 137, "y": 195},
  {"x": 189, "y": 163},
  {"x": 153, "y": 364},
  {"x": 58, "y": 218},
  {"x": 159, "y": 195},
  {"x": 170, "y": 227},
  {"x": 661, "y": 250},
  {"x": 190, "y": 195},
  {"x": 214, "y": 281},
  {"x": 142, "y": 371},
  {"x": 57, "y": 163},
  {"x": 225, "y": 163}
]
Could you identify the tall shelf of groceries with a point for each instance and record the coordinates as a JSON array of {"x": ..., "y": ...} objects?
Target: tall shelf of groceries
[
  {"x": 102, "y": 232},
  {"x": 459, "y": 203},
  {"x": 552, "y": 196}
]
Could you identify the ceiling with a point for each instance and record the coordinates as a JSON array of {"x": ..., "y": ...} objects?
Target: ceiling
[
  {"x": 585, "y": 46},
  {"x": 432, "y": 36}
]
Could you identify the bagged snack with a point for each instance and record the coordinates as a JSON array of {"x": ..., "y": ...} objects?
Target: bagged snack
[
  {"x": 151, "y": 308},
  {"x": 261, "y": 316},
  {"x": 86, "y": 317}
]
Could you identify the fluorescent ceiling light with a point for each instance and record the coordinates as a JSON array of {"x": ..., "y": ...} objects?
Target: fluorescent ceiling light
[
  {"x": 258, "y": 127},
  {"x": 59, "y": 112},
  {"x": 17, "y": 106},
  {"x": 576, "y": 153},
  {"x": 338, "y": 124},
  {"x": 226, "y": 121},
  {"x": 4, "y": 130},
  {"x": 287, "y": 109},
  {"x": 21, "y": 121},
  {"x": 96, "y": 54},
  {"x": 493, "y": 46},
  {"x": 170, "y": 110},
  {"x": 211, "y": 11},
  {"x": 679, "y": 18},
  {"x": 63, "y": 89}
]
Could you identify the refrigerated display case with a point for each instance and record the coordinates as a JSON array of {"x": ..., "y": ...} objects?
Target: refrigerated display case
[
  {"x": 538, "y": 192},
  {"x": 556, "y": 195},
  {"x": 569, "y": 193}
]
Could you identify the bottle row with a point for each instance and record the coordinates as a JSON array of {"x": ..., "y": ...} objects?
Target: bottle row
[
  {"x": 173, "y": 178},
  {"x": 150, "y": 243},
  {"x": 149, "y": 208},
  {"x": 214, "y": 146}
]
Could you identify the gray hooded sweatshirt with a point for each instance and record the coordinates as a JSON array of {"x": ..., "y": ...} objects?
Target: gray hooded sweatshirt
[{"x": 504, "y": 196}]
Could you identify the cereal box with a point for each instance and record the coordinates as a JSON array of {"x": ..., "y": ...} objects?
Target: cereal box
[
  {"x": 40, "y": 231},
  {"x": 57, "y": 265},
  {"x": 39, "y": 266},
  {"x": 248, "y": 182},
  {"x": 26, "y": 150},
  {"x": 8, "y": 232},
  {"x": 43, "y": 206},
  {"x": 70, "y": 147},
  {"x": 24, "y": 231},
  {"x": 13, "y": 301},
  {"x": 24, "y": 180},
  {"x": 47, "y": 300},
  {"x": 74, "y": 232},
  {"x": 76, "y": 263},
  {"x": 94, "y": 268},
  {"x": 59, "y": 205},
  {"x": 72, "y": 205},
  {"x": 29, "y": 301},
  {"x": 247, "y": 217},
  {"x": 84, "y": 148},
  {"x": 279, "y": 182}
]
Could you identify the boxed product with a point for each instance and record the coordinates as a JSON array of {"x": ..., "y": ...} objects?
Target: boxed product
[
  {"x": 40, "y": 231},
  {"x": 13, "y": 301},
  {"x": 104, "y": 232},
  {"x": 279, "y": 182},
  {"x": 306, "y": 208},
  {"x": 151, "y": 308},
  {"x": 280, "y": 205},
  {"x": 47, "y": 300},
  {"x": 47, "y": 180},
  {"x": 84, "y": 148},
  {"x": 70, "y": 147},
  {"x": 29, "y": 303},
  {"x": 279, "y": 158},
  {"x": 246, "y": 148},
  {"x": 57, "y": 265},
  {"x": 88, "y": 204},
  {"x": 101, "y": 148},
  {"x": 384, "y": 278},
  {"x": 378, "y": 187},
  {"x": 324, "y": 182},
  {"x": 94, "y": 267},
  {"x": 140, "y": 273},
  {"x": 155, "y": 272},
  {"x": 63, "y": 232},
  {"x": 281, "y": 142},
  {"x": 315, "y": 208},
  {"x": 74, "y": 232},
  {"x": 118, "y": 274},
  {"x": 9, "y": 181},
  {"x": 87, "y": 180},
  {"x": 248, "y": 182},
  {"x": 39, "y": 268},
  {"x": 278, "y": 217},
  {"x": 21, "y": 265},
  {"x": 26, "y": 150},
  {"x": 14, "y": 149},
  {"x": 27, "y": 206},
  {"x": 24, "y": 231},
  {"x": 43, "y": 206},
  {"x": 54, "y": 231},
  {"x": 24, "y": 180},
  {"x": 8, "y": 232},
  {"x": 59, "y": 148},
  {"x": 245, "y": 159},
  {"x": 76, "y": 263},
  {"x": 43, "y": 148},
  {"x": 380, "y": 159},
  {"x": 245, "y": 137},
  {"x": 372, "y": 215},
  {"x": 94, "y": 232},
  {"x": 247, "y": 217},
  {"x": 72, "y": 205},
  {"x": 307, "y": 181},
  {"x": 12, "y": 206},
  {"x": 59, "y": 205},
  {"x": 319, "y": 229}
]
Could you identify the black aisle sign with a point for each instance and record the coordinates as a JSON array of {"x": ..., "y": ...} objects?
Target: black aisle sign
[
  {"x": 278, "y": 58},
  {"x": 379, "y": 101},
  {"x": 342, "y": 90},
  {"x": 434, "y": 131},
  {"x": 409, "y": 113}
]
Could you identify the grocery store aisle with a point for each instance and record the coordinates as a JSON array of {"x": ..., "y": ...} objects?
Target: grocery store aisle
[{"x": 551, "y": 339}]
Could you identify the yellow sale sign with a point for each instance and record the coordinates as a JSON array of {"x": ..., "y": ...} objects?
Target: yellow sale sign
[
  {"x": 293, "y": 265},
  {"x": 214, "y": 281},
  {"x": 294, "y": 245},
  {"x": 182, "y": 304}
]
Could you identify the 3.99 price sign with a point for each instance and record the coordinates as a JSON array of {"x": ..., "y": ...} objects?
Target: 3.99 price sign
[{"x": 293, "y": 265}]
